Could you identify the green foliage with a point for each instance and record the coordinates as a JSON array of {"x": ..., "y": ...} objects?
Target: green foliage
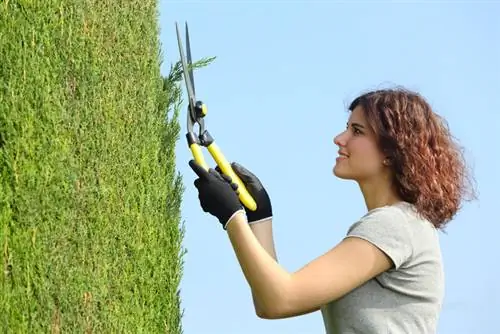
[{"x": 90, "y": 226}]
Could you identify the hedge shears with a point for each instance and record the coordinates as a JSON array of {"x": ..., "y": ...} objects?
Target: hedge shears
[{"x": 197, "y": 110}]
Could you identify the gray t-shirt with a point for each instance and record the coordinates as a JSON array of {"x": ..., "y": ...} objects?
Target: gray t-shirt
[{"x": 405, "y": 299}]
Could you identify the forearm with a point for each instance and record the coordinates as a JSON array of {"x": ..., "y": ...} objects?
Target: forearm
[
  {"x": 268, "y": 281},
  {"x": 263, "y": 232}
]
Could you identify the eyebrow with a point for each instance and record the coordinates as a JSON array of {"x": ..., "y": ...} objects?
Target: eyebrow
[{"x": 357, "y": 125}]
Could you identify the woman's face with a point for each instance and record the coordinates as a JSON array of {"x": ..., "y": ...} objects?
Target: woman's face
[{"x": 359, "y": 156}]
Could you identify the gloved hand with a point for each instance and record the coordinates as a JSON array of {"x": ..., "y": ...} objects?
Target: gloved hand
[
  {"x": 217, "y": 196},
  {"x": 257, "y": 191}
]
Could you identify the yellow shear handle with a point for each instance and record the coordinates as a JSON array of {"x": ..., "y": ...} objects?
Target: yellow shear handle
[
  {"x": 224, "y": 165},
  {"x": 198, "y": 155}
]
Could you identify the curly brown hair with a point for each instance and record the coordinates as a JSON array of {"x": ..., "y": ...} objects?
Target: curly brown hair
[{"x": 429, "y": 167}]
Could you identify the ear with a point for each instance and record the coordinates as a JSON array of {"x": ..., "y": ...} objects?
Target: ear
[{"x": 387, "y": 161}]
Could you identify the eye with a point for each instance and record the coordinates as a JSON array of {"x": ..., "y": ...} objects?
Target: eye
[{"x": 357, "y": 131}]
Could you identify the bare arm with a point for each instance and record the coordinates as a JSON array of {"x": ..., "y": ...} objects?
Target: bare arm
[
  {"x": 263, "y": 232},
  {"x": 281, "y": 294},
  {"x": 261, "y": 229}
]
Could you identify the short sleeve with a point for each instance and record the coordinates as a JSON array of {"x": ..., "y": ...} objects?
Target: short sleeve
[{"x": 386, "y": 228}]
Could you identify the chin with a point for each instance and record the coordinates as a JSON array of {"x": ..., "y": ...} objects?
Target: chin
[{"x": 342, "y": 174}]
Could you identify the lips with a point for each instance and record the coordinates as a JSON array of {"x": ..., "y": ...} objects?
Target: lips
[{"x": 343, "y": 154}]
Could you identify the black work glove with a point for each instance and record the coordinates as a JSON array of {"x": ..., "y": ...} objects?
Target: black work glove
[
  {"x": 257, "y": 191},
  {"x": 217, "y": 194}
]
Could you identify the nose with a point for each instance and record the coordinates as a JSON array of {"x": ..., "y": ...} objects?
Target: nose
[{"x": 340, "y": 139}]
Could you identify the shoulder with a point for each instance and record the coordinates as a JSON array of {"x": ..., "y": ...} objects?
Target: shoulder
[
  {"x": 388, "y": 219},
  {"x": 390, "y": 228}
]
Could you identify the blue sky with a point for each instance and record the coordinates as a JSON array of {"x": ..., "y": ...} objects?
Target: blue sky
[{"x": 288, "y": 69}]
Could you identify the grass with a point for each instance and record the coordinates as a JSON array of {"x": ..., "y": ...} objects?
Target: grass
[{"x": 90, "y": 225}]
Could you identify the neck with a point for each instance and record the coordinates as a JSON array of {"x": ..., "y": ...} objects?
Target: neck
[{"x": 378, "y": 193}]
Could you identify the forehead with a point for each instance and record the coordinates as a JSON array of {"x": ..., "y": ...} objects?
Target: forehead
[{"x": 357, "y": 116}]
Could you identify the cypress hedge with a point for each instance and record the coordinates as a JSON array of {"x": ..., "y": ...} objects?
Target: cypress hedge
[{"x": 90, "y": 224}]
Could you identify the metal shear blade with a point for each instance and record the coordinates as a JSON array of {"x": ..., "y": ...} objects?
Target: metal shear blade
[{"x": 188, "y": 72}]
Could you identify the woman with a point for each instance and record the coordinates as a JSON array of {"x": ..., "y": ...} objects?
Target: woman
[{"x": 386, "y": 275}]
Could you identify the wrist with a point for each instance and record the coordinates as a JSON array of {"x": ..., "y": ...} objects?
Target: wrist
[
  {"x": 268, "y": 219},
  {"x": 238, "y": 217}
]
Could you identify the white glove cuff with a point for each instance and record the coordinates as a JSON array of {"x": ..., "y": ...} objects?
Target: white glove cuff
[
  {"x": 234, "y": 214},
  {"x": 261, "y": 220}
]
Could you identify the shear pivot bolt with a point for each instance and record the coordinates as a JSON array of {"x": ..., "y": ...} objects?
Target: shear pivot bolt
[{"x": 200, "y": 109}]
